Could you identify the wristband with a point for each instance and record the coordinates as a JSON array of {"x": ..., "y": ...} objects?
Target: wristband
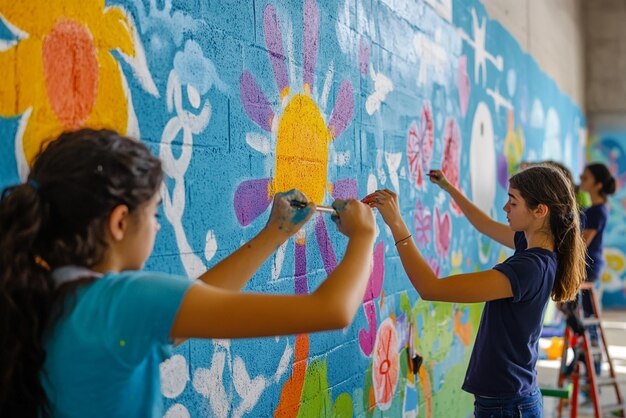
[{"x": 403, "y": 239}]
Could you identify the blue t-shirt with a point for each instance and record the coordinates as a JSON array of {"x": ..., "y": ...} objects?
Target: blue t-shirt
[
  {"x": 507, "y": 345},
  {"x": 596, "y": 217},
  {"x": 103, "y": 354}
]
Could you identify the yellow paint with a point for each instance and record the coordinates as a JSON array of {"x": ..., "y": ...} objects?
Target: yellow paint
[
  {"x": 555, "y": 350},
  {"x": 302, "y": 149},
  {"x": 456, "y": 261},
  {"x": 513, "y": 145},
  {"x": 24, "y": 83},
  {"x": 614, "y": 261}
]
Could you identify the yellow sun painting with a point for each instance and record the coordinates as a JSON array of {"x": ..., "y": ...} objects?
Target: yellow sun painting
[{"x": 60, "y": 72}]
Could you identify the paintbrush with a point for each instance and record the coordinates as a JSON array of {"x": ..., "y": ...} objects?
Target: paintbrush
[{"x": 320, "y": 208}]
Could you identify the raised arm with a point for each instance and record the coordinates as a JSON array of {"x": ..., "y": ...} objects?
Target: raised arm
[
  {"x": 211, "y": 312},
  {"x": 497, "y": 231},
  {"x": 234, "y": 272},
  {"x": 589, "y": 235},
  {"x": 473, "y": 287}
]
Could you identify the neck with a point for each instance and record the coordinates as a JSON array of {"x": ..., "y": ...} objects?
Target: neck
[
  {"x": 106, "y": 265},
  {"x": 597, "y": 199},
  {"x": 538, "y": 239}
]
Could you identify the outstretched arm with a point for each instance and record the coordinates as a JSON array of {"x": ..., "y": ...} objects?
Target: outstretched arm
[
  {"x": 234, "y": 272},
  {"x": 589, "y": 235},
  {"x": 211, "y": 312},
  {"x": 497, "y": 231},
  {"x": 473, "y": 287}
]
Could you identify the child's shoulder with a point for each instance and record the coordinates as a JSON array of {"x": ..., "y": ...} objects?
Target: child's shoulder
[{"x": 136, "y": 283}]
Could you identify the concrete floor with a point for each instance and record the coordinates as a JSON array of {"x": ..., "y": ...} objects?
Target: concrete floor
[{"x": 614, "y": 325}]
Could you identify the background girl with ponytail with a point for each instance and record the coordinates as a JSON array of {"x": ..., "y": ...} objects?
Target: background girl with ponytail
[
  {"x": 596, "y": 180},
  {"x": 83, "y": 330},
  {"x": 548, "y": 262}
]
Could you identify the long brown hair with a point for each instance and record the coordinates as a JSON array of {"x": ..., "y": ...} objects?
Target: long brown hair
[
  {"x": 548, "y": 186},
  {"x": 58, "y": 218}
]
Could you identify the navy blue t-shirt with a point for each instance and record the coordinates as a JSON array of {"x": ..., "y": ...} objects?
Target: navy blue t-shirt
[
  {"x": 507, "y": 345},
  {"x": 596, "y": 217}
]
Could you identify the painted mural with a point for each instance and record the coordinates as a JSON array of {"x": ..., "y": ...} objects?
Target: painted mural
[
  {"x": 337, "y": 98},
  {"x": 609, "y": 148}
]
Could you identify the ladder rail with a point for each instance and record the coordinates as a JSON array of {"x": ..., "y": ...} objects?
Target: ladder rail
[
  {"x": 573, "y": 340},
  {"x": 605, "y": 345}
]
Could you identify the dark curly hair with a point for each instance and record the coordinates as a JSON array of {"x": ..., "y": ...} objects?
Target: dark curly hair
[{"x": 58, "y": 218}]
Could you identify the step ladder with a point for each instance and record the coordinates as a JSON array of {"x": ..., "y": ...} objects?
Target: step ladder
[{"x": 581, "y": 343}]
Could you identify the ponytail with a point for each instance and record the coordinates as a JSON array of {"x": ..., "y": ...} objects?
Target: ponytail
[
  {"x": 570, "y": 249},
  {"x": 601, "y": 174},
  {"x": 25, "y": 303},
  {"x": 548, "y": 186},
  {"x": 58, "y": 219}
]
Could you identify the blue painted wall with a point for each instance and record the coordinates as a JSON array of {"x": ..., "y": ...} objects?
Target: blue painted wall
[{"x": 403, "y": 86}]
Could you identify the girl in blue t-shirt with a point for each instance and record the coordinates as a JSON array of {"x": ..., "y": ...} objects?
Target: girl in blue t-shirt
[
  {"x": 83, "y": 330},
  {"x": 548, "y": 262}
]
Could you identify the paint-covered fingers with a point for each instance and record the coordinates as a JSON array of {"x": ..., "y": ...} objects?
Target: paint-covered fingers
[
  {"x": 437, "y": 177},
  {"x": 290, "y": 211},
  {"x": 353, "y": 217}
]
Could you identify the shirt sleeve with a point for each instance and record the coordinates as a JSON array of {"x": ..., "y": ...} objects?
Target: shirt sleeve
[
  {"x": 520, "y": 241},
  {"x": 142, "y": 310},
  {"x": 595, "y": 218},
  {"x": 525, "y": 272}
]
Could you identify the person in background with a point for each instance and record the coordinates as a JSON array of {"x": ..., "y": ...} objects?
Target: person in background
[{"x": 597, "y": 181}]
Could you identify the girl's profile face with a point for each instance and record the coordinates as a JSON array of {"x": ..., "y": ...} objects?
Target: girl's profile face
[
  {"x": 143, "y": 232},
  {"x": 517, "y": 213},
  {"x": 588, "y": 182}
]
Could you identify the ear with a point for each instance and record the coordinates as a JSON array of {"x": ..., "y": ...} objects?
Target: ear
[
  {"x": 541, "y": 211},
  {"x": 598, "y": 186},
  {"x": 118, "y": 222}
]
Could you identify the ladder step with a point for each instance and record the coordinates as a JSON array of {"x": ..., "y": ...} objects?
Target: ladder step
[
  {"x": 595, "y": 350},
  {"x": 605, "y": 381},
  {"x": 608, "y": 410},
  {"x": 591, "y": 321},
  {"x": 557, "y": 392}
]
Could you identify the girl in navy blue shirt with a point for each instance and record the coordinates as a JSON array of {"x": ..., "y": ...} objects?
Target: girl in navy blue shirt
[
  {"x": 541, "y": 211},
  {"x": 83, "y": 330},
  {"x": 596, "y": 180}
]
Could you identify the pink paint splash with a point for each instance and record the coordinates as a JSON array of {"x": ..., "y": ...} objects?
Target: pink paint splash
[
  {"x": 420, "y": 143},
  {"x": 452, "y": 157},
  {"x": 367, "y": 338},
  {"x": 443, "y": 233},
  {"x": 385, "y": 367},
  {"x": 464, "y": 84},
  {"x": 422, "y": 224}
]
